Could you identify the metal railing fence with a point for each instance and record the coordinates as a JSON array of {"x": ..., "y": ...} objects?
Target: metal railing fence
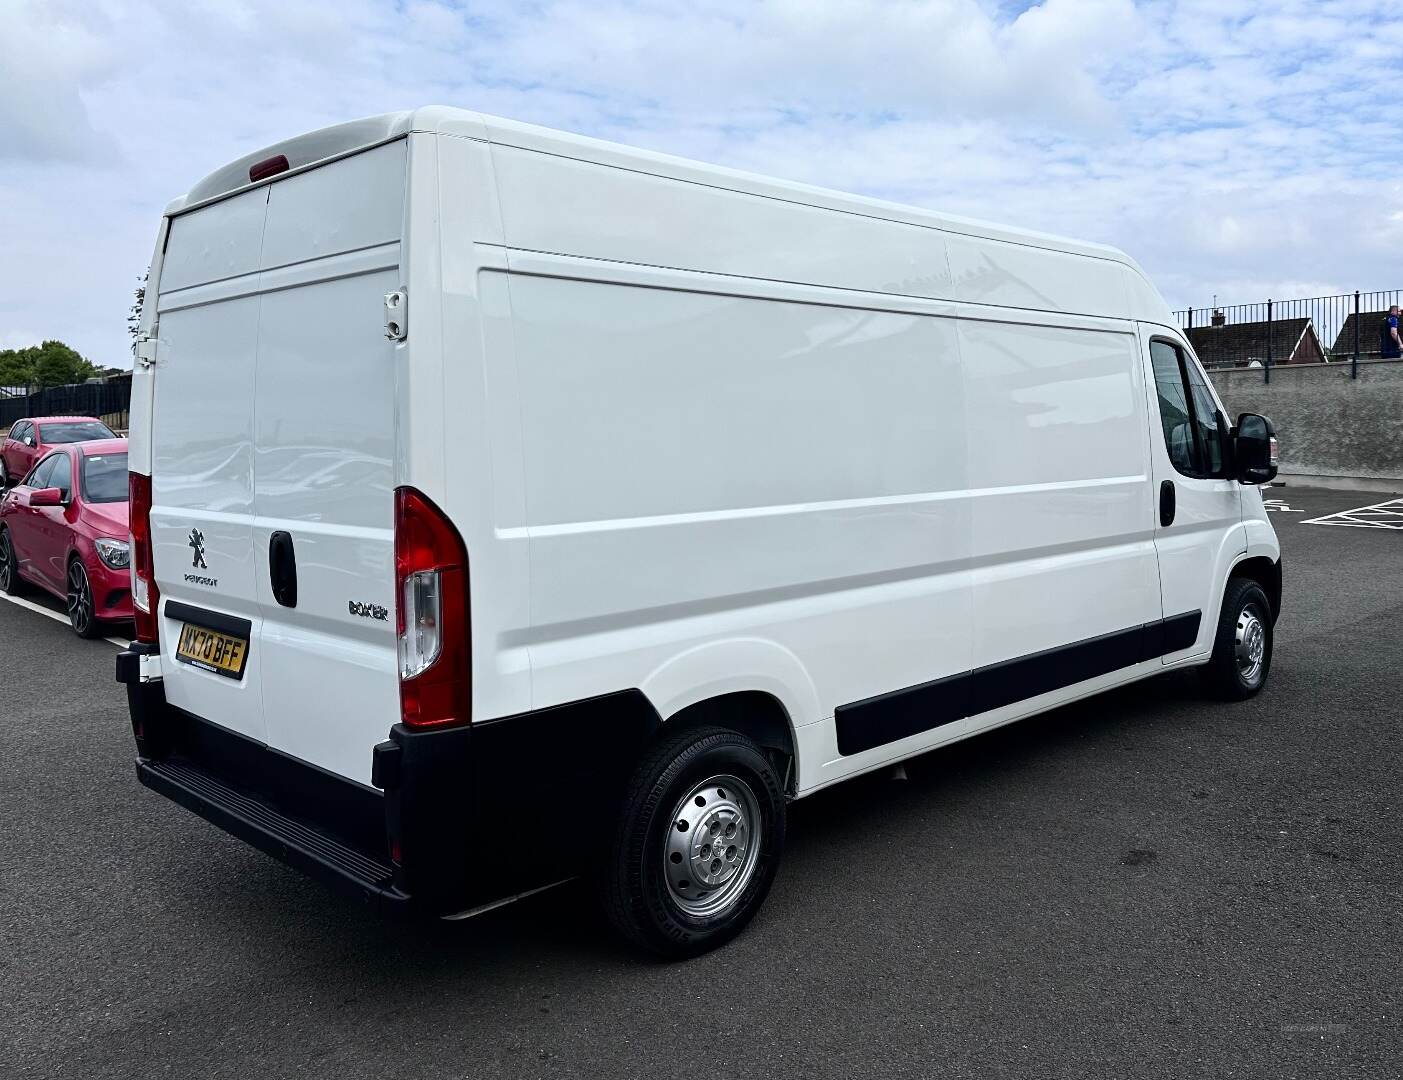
[
  {"x": 110, "y": 397},
  {"x": 1322, "y": 329}
]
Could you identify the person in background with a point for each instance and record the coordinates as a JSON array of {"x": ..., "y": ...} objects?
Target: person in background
[{"x": 1390, "y": 344}]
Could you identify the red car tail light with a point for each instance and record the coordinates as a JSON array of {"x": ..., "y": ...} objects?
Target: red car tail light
[
  {"x": 146, "y": 598},
  {"x": 432, "y": 614}
]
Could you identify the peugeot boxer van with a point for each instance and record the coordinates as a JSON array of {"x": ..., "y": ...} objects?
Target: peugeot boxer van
[{"x": 510, "y": 507}]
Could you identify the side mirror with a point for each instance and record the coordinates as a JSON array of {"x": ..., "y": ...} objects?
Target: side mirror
[
  {"x": 29, "y": 441},
  {"x": 1254, "y": 449},
  {"x": 46, "y": 497}
]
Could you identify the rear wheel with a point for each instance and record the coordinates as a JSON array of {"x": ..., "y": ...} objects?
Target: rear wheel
[
  {"x": 10, "y": 582},
  {"x": 1242, "y": 647},
  {"x": 80, "y": 601},
  {"x": 697, "y": 845}
]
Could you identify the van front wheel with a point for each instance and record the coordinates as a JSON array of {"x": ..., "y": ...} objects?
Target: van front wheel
[
  {"x": 1243, "y": 645},
  {"x": 697, "y": 844}
]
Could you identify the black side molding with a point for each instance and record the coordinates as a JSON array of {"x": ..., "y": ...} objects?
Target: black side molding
[{"x": 875, "y": 721}]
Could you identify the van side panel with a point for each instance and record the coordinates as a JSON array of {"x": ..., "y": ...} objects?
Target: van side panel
[
  {"x": 143, "y": 380},
  {"x": 1062, "y": 513},
  {"x": 477, "y": 402},
  {"x": 703, "y": 467},
  {"x": 558, "y": 204},
  {"x": 1035, "y": 279}
]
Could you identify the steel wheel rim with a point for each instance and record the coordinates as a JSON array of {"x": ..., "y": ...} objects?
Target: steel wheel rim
[
  {"x": 712, "y": 846},
  {"x": 1250, "y": 645},
  {"x": 79, "y": 598}
]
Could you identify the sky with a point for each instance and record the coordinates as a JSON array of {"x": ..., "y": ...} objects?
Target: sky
[{"x": 1237, "y": 149}]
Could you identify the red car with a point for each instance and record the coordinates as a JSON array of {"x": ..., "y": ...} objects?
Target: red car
[
  {"x": 31, "y": 439},
  {"x": 64, "y": 528}
]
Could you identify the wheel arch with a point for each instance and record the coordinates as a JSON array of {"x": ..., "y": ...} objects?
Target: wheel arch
[
  {"x": 756, "y": 714},
  {"x": 1266, "y": 572},
  {"x": 752, "y": 685}
]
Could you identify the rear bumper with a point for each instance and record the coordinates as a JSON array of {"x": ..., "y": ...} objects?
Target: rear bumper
[
  {"x": 256, "y": 821},
  {"x": 463, "y": 817}
]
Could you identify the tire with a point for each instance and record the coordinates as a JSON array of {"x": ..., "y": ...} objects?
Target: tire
[
  {"x": 79, "y": 600},
  {"x": 11, "y": 584},
  {"x": 649, "y": 892},
  {"x": 1242, "y": 646}
]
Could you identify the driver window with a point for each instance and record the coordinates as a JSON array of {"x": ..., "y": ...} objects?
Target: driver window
[
  {"x": 41, "y": 476},
  {"x": 1175, "y": 412},
  {"x": 1206, "y": 419},
  {"x": 62, "y": 475}
]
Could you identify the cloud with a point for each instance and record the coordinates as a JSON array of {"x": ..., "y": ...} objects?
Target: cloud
[
  {"x": 49, "y": 53},
  {"x": 1233, "y": 147}
]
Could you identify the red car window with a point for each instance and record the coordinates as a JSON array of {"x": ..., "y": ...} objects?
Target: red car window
[
  {"x": 74, "y": 431},
  {"x": 104, "y": 478}
]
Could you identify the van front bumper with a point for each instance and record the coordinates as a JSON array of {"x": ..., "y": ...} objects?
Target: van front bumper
[{"x": 457, "y": 819}]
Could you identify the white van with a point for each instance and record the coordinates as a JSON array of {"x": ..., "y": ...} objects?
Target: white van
[{"x": 510, "y": 507}]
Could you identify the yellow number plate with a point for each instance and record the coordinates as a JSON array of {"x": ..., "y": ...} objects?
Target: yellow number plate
[{"x": 224, "y": 654}]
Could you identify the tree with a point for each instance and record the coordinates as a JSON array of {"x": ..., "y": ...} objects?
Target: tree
[
  {"x": 134, "y": 314},
  {"x": 50, "y": 364}
]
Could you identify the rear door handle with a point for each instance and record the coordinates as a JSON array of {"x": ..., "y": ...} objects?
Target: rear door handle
[
  {"x": 282, "y": 568},
  {"x": 1166, "y": 503}
]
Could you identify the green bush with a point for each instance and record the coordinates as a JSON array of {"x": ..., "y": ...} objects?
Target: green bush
[{"x": 51, "y": 364}]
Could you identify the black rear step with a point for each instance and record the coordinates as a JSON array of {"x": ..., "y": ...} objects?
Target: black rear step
[{"x": 253, "y": 820}]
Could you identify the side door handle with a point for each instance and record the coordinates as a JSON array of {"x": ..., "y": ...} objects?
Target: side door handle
[
  {"x": 282, "y": 568},
  {"x": 1166, "y": 503}
]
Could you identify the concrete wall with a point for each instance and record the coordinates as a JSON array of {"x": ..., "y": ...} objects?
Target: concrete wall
[{"x": 1328, "y": 424}]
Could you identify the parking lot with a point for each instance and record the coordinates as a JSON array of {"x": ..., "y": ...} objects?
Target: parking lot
[{"x": 1145, "y": 884}]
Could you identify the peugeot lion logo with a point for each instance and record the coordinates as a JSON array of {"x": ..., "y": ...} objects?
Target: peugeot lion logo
[{"x": 197, "y": 541}]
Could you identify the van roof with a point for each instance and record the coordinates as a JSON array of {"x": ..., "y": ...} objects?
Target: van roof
[{"x": 339, "y": 140}]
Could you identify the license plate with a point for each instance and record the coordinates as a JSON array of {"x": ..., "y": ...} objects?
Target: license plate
[{"x": 213, "y": 650}]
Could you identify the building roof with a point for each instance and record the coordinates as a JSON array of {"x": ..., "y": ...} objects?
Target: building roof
[
  {"x": 1241, "y": 343},
  {"x": 1369, "y": 323}
]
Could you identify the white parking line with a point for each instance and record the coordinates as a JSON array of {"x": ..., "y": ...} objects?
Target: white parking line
[
  {"x": 20, "y": 601},
  {"x": 1384, "y": 515}
]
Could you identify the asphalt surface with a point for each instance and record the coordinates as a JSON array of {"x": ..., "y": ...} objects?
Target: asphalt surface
[{"x": 1142, "y": 885}]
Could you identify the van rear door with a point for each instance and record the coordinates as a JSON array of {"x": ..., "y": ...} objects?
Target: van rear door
[
  {"x": 273, "y": 437},
  {"x": 201, "y": 439},
  {"x": 324, "y": 440}
]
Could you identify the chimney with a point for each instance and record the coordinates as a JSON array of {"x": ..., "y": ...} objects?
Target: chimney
[{"x": 1218, "y": 317}]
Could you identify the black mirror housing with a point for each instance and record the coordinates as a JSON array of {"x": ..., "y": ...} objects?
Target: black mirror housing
[{"x": 1254, "y": 449}]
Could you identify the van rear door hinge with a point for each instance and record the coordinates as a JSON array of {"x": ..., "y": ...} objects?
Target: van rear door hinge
[
  {"x": 146, "y": 350},
  {"x": 397, "y": 315}
]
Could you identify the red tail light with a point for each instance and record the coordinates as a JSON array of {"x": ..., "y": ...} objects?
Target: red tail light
[
  {"x": 146, "y": 598},
  {"x": 431, "y": 580}
]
